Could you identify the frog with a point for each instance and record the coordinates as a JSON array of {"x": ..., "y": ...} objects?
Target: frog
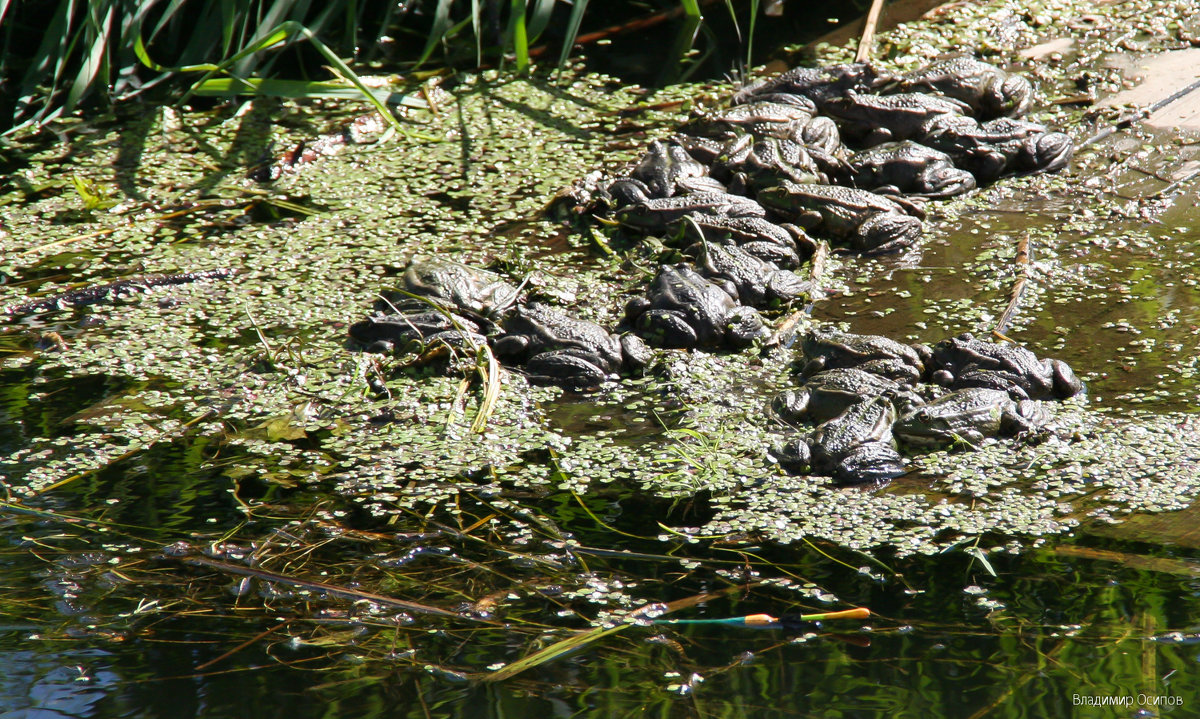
[
  {"x": 871, "y": 224},
  {"x": 557, "y": 349},
  {"x": 821, "y": 137},
  {"x": 622, "y": 192},
  {"x": 818, "y": 84},
  {"x": 784, "y": 245},
  {"x": 989, "y": 91},
  {"x": 999, "y": 147},
  {"x": 666, "y": 168},
  {"x": 750, "y": 280},
  {"x": 968, "y": 415},
  {"x": 874, "y": 119},
  {"x": 827, "y": 394},
  {"x": 684, "y": 310},
  {"x": 706, "y": 150},
  {"x": 908, "y": 168},
  {"x": 826, "y": 349},
  {"x": 761, "y": 118},
  {"x": 857, "y": 446},
  {"x": 385, "y": 332},
  {"x": 768, "y": 162},
  {"x": 656, "y": 214},
  {"x": 965, "y": 361},
  {"x": 478, "y": 294},
  {"x": 1029, "y": 147}
]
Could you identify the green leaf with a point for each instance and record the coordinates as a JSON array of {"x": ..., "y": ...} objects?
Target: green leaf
[
  {"x": 299, "y": 90},
  {"x": 520, "y": 40},
  {"x": 441, "y": 23},
  {"x": 573, "y": 23},
  {"x": 979, "y": 554},
  {"x": 539, "y": 19}
]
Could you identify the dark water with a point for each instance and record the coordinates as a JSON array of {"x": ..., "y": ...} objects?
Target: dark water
[{"x": 1074, "y": 619}]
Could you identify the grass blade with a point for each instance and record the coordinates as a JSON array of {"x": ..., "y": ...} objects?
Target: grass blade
[
  {"x": 286, "y": 32},
  {"x": 573, "y": 23},
  {"x": 92, "y": 64},
  {"x": 750, "y": 34},
  {"x": 520, "y": 40},
  {"x": 489, "y": 373},
  {"x": 570, "y": 644},
  {"x": 539, "y": 19},
  {"x": 478, "y": 30},
  {"x": 441, "y": 23},
  {"x": 333, "y": 590},
  {"x": 299, "y": 90}
]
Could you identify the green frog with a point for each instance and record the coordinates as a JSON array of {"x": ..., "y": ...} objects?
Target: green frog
[
  {"x": 999, "y": 147},
  {"x": 908, "y": 168},
  {"x": 965, "y": 361},
  {"x": 666, "y": 169},
  {"x": 833, "y": 349},
  {"x": 827, "y": 394},
  {"x": 989, "y": 91},
  {"x": 783, "y": 245},
  {"x": 685, "y": 310},
  {"x": 760, "y": 119},
  {"x": 470, "y": 291},
  {"x": 818, "y": 84},
  {"x": 767, "y": 163},
  {"x": 750, "y": 280},
  {"x": 857, "y": 446},
  {"x": 386, "y": 332},
  {"x": 968, "y": 415},
  {"x": 558, "y": 349},
  {"x": 871, "y": 224},
  {"x": 872, "y": 119},
  {"x": 656, "y": 214}
]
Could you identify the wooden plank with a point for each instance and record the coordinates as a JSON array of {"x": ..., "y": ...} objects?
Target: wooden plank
[{"x": 1159, "y": 77}]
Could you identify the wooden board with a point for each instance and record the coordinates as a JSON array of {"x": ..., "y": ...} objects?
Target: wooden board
[{"x": 1159, "y": 77}]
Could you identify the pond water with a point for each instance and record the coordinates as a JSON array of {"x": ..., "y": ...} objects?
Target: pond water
[{"x": 213, "y": 511}]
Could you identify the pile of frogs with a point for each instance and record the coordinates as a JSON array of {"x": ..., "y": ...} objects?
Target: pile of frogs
[
  {"x": 848, "y": 153},
  {"x": 865, "y": 392}
]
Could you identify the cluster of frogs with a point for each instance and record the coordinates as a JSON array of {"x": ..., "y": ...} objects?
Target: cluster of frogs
[
  {"x": 447, "y": 304},
  {"x": 867, "y": 392},
  {"x": 847, "y": 152},
  {"x": 740, "y": 190}
]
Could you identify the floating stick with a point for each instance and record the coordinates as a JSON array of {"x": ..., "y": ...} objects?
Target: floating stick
[{"x": 766, "y": 620}]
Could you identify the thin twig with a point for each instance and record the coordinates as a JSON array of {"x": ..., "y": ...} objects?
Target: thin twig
[
  {"x": 1018, "y": 290},
  {"x": 867, "y": 42}
]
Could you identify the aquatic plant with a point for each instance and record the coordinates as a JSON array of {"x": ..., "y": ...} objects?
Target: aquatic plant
[{"x": 111, "y": 50}]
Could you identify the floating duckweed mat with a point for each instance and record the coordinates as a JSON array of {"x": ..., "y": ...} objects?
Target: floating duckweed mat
[{"x": 245, "y": 386}]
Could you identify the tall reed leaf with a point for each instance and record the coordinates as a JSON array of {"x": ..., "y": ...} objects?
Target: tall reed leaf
[
  {"x": 540, "y": 18},
  {"x": 520, "y": 41},
  {"x": 573, "y": 23},
  {"x": 98, "y": 29},
  {"x": 284, "y": 33},
  {"x": 441, "y": 23}
]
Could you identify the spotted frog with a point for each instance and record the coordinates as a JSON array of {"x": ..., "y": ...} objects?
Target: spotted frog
[
  {"x": 684, "y": 309},
  {"x": 559, "y": 349},
  {"x": 968, "y": 415}
]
